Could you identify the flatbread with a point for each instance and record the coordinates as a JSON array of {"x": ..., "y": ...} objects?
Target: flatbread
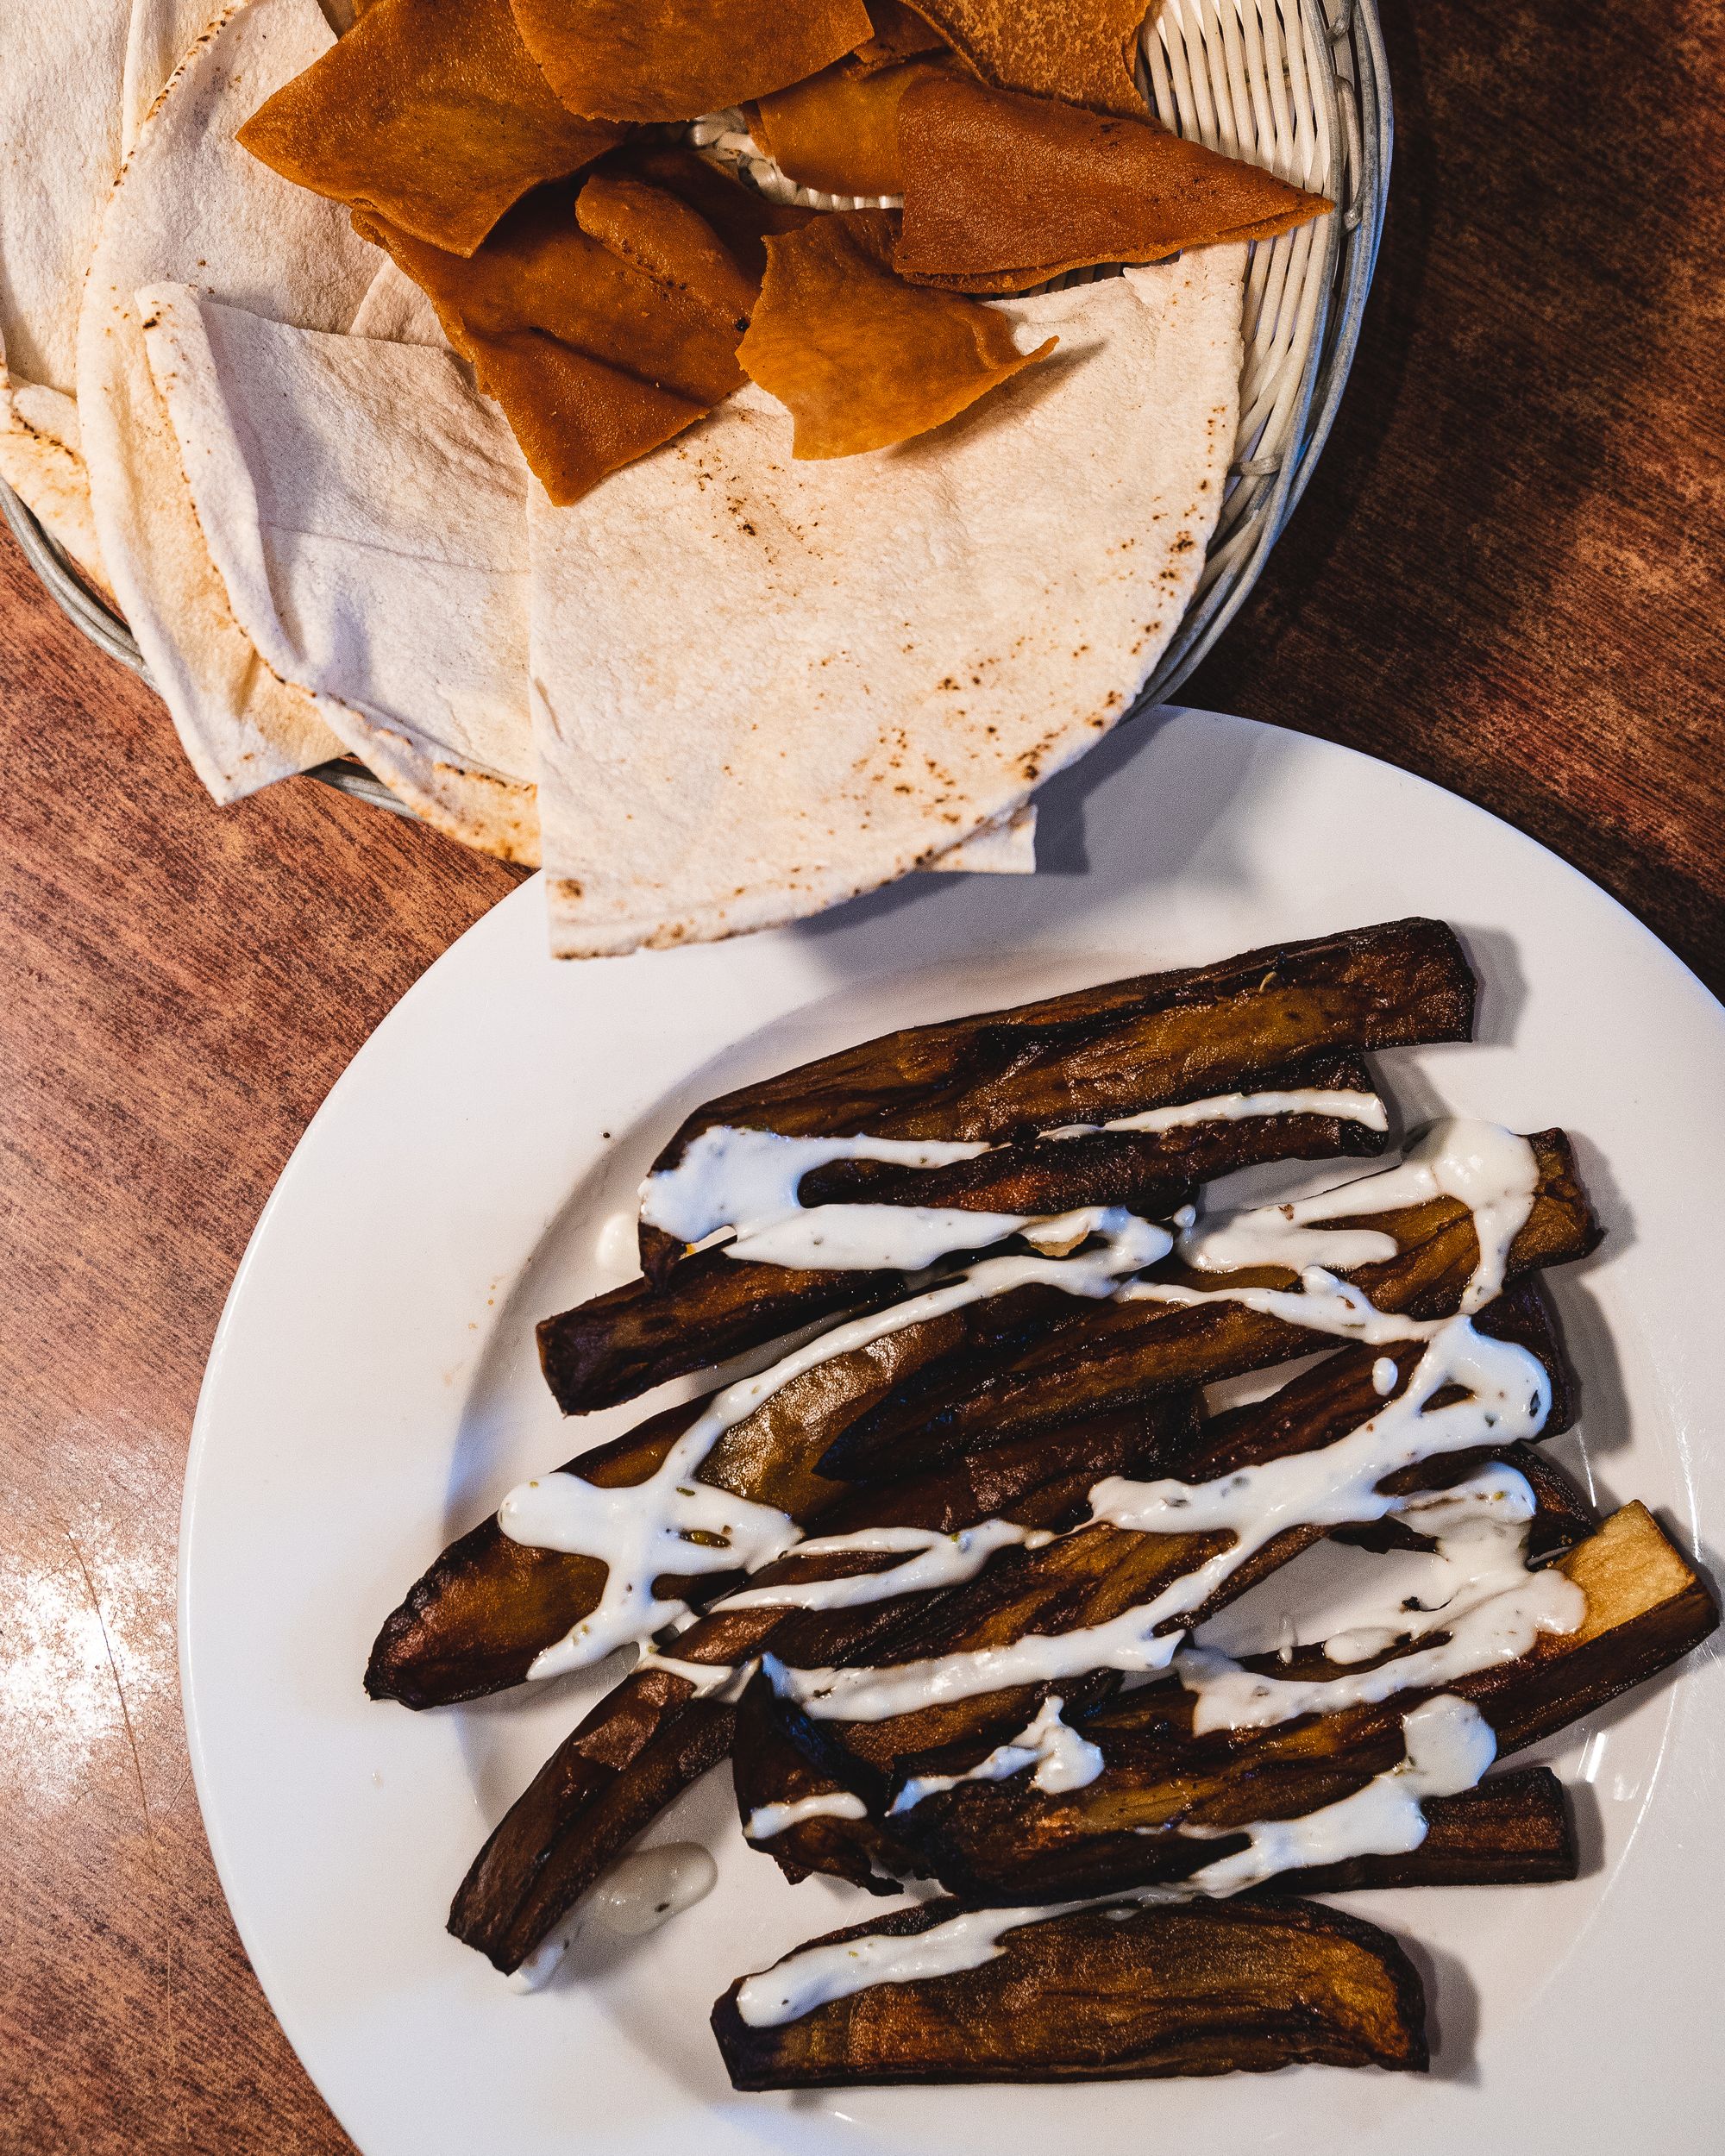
[
  {"x": 368, "y": 513},
  {"x": 762, "y": 687},
  {"x": 1005, "y": 848},
  {"x": 191, "y": 205},
  {"x": 59, "y": 149},
  {"x": 74, "y": 87},
  {"x": 396, "y": 309},
  {"x": 159, "y": 36},
  {"x": 41, "y": 462}
]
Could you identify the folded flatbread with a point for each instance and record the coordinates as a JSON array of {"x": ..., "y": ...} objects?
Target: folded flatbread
[
  {"x": 763, "y": 686},
  {"x": 192, "y": 206},
  {"x": 74, "y": 86},
  {"x": 366, "y": 510}
]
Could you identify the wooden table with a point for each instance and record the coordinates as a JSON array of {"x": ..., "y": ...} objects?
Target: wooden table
[{"x": 1505, "y": 576}]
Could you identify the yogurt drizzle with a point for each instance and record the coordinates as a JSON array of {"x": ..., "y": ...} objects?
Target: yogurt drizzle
[
  {"x": 642, "y": 1530},
  {"x": 745, "y": 1182},
  {"x": 1493, "y": 1610},
  {"x": 1449, "y": 1746},
  {"x": 1063, "y": 1759}
]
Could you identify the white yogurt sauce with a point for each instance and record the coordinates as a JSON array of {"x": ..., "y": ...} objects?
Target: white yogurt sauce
[
  {"x": 653, "y": 1885},
  {"x": 938, "y": 1560},
  {"x": 802, "y": 1982},
  {"x": 1487, "y": 1605},
  {"x": 1063, "y": 1759},
  {"x": 871, "y": 1238},
  {"x": 729, "y": 1178},
  {"x": 639, "y": 1532},
  {"x": 1236, "y": 1108},
  {"x": 1487, "y": 1169},
  {"x": 767, "y": 1820},
  {"x": 746, "y": 1180},
  {"x": 635, "y": 1897},
  {"x": 1449, "y": 1748}
]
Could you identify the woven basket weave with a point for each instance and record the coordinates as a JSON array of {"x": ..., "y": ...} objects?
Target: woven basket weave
[{"x": 1300, "y": 87}]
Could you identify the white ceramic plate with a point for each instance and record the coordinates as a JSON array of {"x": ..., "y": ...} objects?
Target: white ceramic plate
[{"x": 374, "y": 1389}]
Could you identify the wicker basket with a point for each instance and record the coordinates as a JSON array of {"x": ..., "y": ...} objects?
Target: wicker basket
[{"x": 1301, "y": 86}]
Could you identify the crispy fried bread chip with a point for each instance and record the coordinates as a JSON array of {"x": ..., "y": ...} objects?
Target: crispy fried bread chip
[
  {"x": 740, "y": 216},
  {"x": 1079, "y": 49},
  {"x": 625, "y": 60},
  {"x": 667, "y": 239},
  {"x": 900, "y": 33},
  {"x": 861, "y": 359},
  {"x": 430, "y": 114},
  {"x": 594, "y": 360},
  {"x": 839, "y": 130},
  {"x": 1004, "y": 192}
]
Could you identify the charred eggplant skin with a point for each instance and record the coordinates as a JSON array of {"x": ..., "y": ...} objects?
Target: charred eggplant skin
[
  {"x": 1118, "y": 1049},
  {"x": 1109, "y": 1994},
  {"x": 475, "y": 1619},
  {"x": 651, "y": 1738},
  {"x": 1147, "y": 1042},
  {"x": 709, "y": 1307},
  {"x": 1006, "y": 1843},
  {"x": 616, "y": 1775},
  {"x": 982, "y": 1382},
  {"x": 700, "y": 1309},
  {"x": 1514, "y": 1830}
]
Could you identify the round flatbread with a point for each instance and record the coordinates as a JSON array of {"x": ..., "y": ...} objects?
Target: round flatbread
[{"x": 763, "y": 686}]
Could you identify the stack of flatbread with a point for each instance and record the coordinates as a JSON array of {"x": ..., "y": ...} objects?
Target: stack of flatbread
[{"x": 725, "y": 688}]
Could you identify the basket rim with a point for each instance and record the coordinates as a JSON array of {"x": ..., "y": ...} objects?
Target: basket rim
[{"x": 1356, "y": 234}]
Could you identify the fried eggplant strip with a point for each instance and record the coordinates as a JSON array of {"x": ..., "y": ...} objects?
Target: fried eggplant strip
[
  {"x": 1514, "y": 1830},
  {"x": 1076, "y": 1358},
  {"x": 1095, "y": 1994},
  {"x": 710, "y": 1306},
  {"x": 999, "y": 1843},
  {"x": 780, "y": 1756},
  {"x": 1087, "y": 1579},
  {"x": 474, "y": 1622},
  {"x": 627, "y": 1760},
  {"x": 1115, "y": 1049}
]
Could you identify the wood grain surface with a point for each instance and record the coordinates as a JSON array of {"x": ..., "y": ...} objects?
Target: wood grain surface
[{"x": 1506, "y": 575}]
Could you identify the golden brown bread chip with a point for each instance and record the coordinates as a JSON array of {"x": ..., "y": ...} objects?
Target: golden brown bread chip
[
  {"x": 1082, "y": 50},
  {"x": 653, "y": 59},
  {"x": 575, "y": 417},
  {"x": 430, "y": 113},
  {"x": 1003, "y": 191},
  {"x": 861, "y": 359},
  {"x": 662, "y": 236},
  {"x": 594, "y": 362},
  {"x": 740, "y": 216},
  {"x": 900, "y": 33},
  {"x": 839, "y": 130}
]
